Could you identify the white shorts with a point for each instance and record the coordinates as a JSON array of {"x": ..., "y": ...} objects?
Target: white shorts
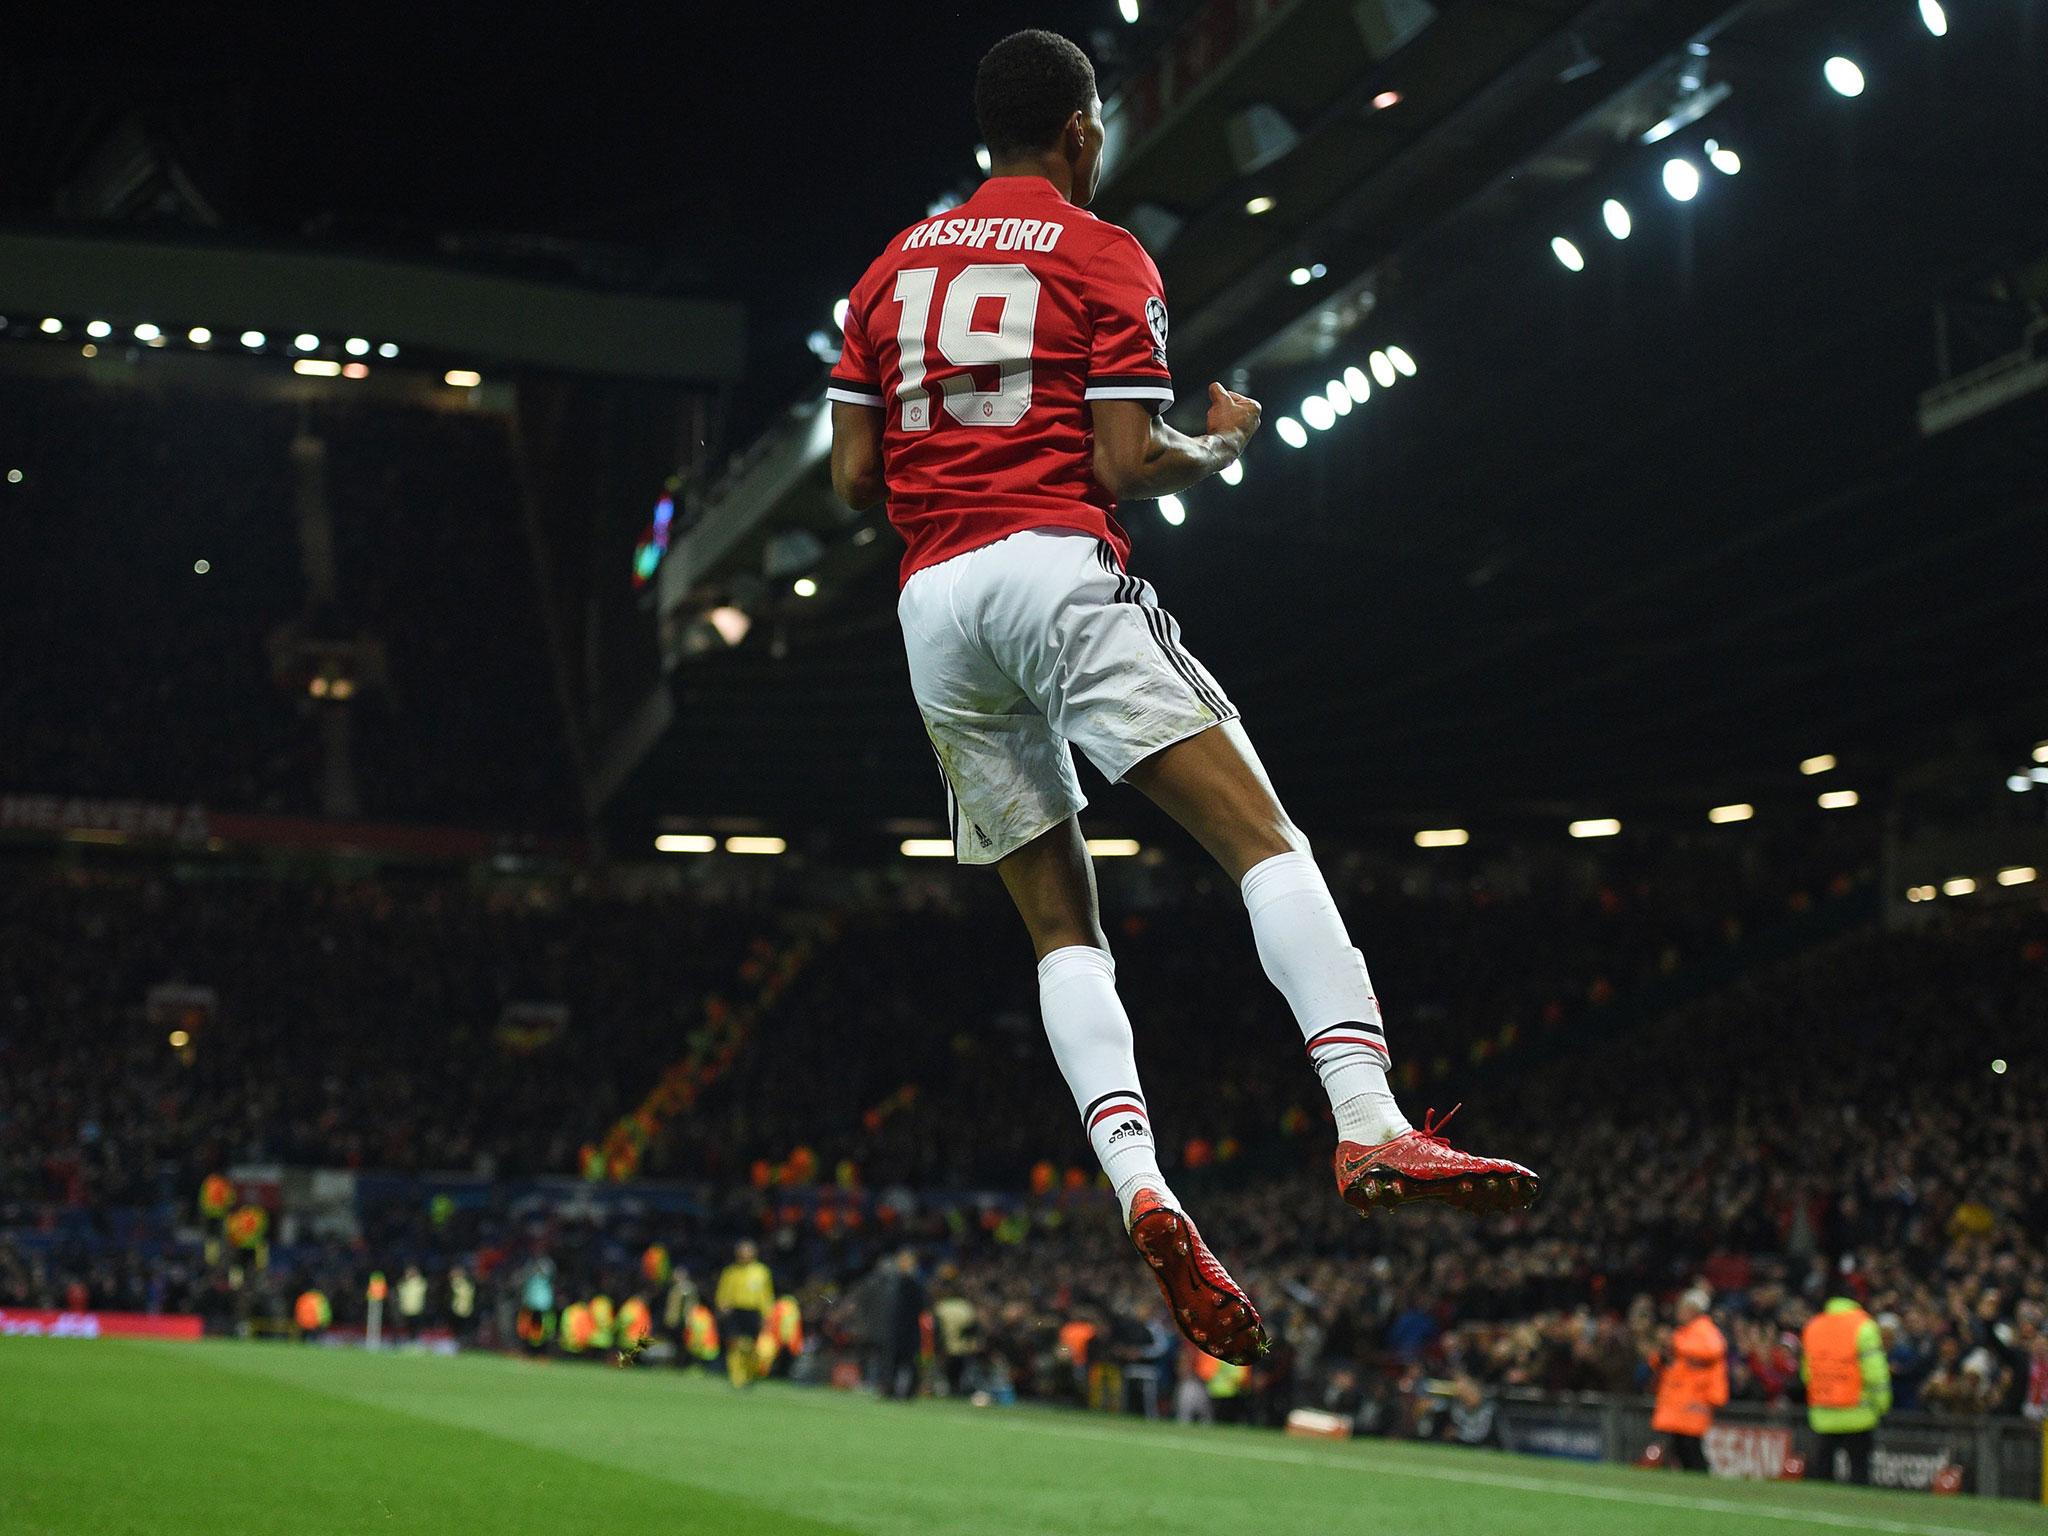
[{"x": 1025, "y": 645}]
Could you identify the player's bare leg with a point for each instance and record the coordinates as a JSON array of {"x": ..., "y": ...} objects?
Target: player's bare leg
[
  {"x": 1213, "y": 784},
  {"x": 1052, "y": 881}
]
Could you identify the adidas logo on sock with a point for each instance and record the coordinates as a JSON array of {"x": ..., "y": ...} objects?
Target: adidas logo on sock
[{"x": 1128, "y": 1128}]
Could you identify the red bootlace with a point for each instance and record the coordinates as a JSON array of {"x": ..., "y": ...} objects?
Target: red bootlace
[{"x": 1433, "y": 1128}]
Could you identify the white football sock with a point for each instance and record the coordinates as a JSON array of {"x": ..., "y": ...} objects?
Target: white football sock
[
  {"x": 1091, "y": 1040},
  {"x": 1308, "y": 956}
]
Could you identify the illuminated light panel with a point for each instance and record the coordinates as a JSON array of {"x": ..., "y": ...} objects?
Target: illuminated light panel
[
  {"x": 1568, "y": 255},
  {"x": 148, "y": 332},
  {"x": 1338, "y": 396},
  {"x": 803, "y": 586},
  {"x": 1173, "y": 509},
  {"x": 1259, "y": 205},
  {"x": 1357, "y": 385},
  {"x": 1386, "y": 99},
  {"x": 1962, "y": 885},
  {"x": 2041, "y": 751},
  {"x": 199, "y": 336},
  {"x": 317, "y": 367},
  {"x": 1315, "y": 410},
  {"x": 1721, "y": 815},
  {"x": 1838, "y": 800},
  {"x": 462, "y": 378},
  {"x": 98, "y": 330},
  {"x": 839, "y": 310},
  {"x": 306, "y": 341},
  {"x": 355, "y": 371},
  {"x": 201, "y": 567},
  {"x": 685, "y": 842},
  {"x": 180, "y": 1039},
  {"x": 1232, "y": 473},
  {"x": 926, "y": 847},
  {"x": 1681, "y": 180},
  {"x": 1383, "y": 370},
  {"x": 1602, "y": 826},
  {"x": 1725, "y": 160},
  {"x": 252, "y": 339},
  {"x": 1128, "y": 9},
  {"x": 1824, "y": 763},
  {"x": 388, "y": 350},
  {"x": 1292, "y": 432},
  {"x": 1114, "y": 847},
  {"x": 761, "y": 845},
  {"x": 1845, "y": 76},
  {"x": 2018, "y": 874},
  {"x": 1614, "y": 213},
  {"x": 983, "y": 159},
  {"x": 1998, "y": 1067},
  {"x": 1921, "y": 893},
  {"x": 1443, "y": 837},
  {"x": 1934, "y": 17},
  {"x": 52, "y": 327},
  {"x": 1300, "y": 277},
  {"x": 1404, "y": 365},
  {"x": 356, "y": 346}
]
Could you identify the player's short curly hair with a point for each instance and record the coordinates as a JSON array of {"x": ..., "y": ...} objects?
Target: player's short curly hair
[{"x": 1028, "y": 85}]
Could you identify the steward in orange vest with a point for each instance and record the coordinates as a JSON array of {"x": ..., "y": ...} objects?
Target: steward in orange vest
[
  {"x": 1692, "y": 1382},
  {"x": 1848, "y": 1385}
]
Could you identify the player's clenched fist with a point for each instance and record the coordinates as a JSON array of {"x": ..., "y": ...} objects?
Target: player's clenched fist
[{"x": 1233, "y": 415}]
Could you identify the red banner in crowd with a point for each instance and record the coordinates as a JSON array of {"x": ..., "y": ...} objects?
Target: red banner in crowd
[{"x": 25, "y": 1323}]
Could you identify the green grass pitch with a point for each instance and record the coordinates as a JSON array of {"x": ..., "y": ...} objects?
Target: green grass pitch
[{"x": 108, "y": 1439}]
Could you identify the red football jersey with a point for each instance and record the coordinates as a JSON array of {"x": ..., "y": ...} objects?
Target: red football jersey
[{"x": 982, "y": 333}]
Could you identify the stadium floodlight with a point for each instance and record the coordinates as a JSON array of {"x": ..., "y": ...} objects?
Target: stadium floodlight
[
  {"x": 388, "y": 349},
  {"x": 1232, "y": 473},
  {"x": 1681, "y": 179},
  {"x": 52, "y": 326},
  {"x": 199, "y": 336},
  {"x": 179, "y": 1039},
  {"x": 356, "y": 346},
  {"x": 1357, "y": 385},
  {"x": 1299, "y": 277},
  {"x": 1615, "y": 213},
  {"x": 1935, "y": 18},
  {"x": 1962, "y": 885},
  {"x": 1599, "y": 826},
  {"x": 2038, "y": 775},
  {"x": 1838, "y": 800},
  {"x": 1383, "y": 370},
  {"x": 98, "y": 330},
  {"x": 1568, "y": 255},
  {"x": 1259, "y": 205},
  {"x": 1443, "y": 837},
  {"x": 1998, "y": 1066},
  {"x": 1386, "y": 99},
  {"x": 730, "y": 623},
  {"x": 148, "y": 332},
  {"x": 306, "y": 341},
  {"x": 1292, "y": 432},
  {"x": 2019, "y": 783},
  {"x": 839, "y": 309},
  {"x": 355, "y": 371},
  {"x": 804, "y": 586},
  {"x": 685, "y": 842},
  {"x": 1338, "y": 396},
  {"x": 1315, "y": 410},
  {"x": 201, "y": 567},
  {"x": 1128, "y": 9},
  {"x": 14, "y": 477},
  {"x": 1174, "y": 510},
  {"x": 1844, "y": 75},
  {"x": 926, "y": 847},
  {"x": 756, "y": 845},
  {"x": 1920, "y": 893},
  {"x": 1823, "y": 763},
  {"x": 253, "y": 340},
  {"x": 1114, "y": 847},
  {"x": 1723, "y": 159},
  {"x": 983, "y": 159},
  {"x": 1721, "y": 815},
  {"x": 2018, "y": 874},
  {"x": 317, "y": 367},
  {"x": 2041, "y": 751},
  {"x": 1404, "y": 365},
  {"x": 462, "y": 378}
]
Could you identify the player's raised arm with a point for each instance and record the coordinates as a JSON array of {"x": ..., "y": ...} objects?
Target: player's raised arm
[{"x": 1138, "y": 455}]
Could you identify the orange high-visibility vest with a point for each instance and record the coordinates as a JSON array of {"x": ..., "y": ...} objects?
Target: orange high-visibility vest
[
  {"x": 700, "y": 1334},
  {"x": 1834, "y": 1368},
  {"x": 1694, "y": 1381}
]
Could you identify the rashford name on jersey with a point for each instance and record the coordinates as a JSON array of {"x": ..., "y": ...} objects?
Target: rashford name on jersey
[{"x": 983, "y": 334}]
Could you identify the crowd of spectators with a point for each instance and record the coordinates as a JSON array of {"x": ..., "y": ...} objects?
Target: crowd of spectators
[{"x": 1865, "y": 1117}]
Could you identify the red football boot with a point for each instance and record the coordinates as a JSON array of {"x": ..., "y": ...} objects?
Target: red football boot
[
  {"x": 1421, "y": 1165},
  {"x": 1210, "y": 1309}
]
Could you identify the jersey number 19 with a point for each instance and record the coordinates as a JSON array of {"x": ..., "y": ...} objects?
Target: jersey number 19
[{"x": 1006, "y": 348}]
